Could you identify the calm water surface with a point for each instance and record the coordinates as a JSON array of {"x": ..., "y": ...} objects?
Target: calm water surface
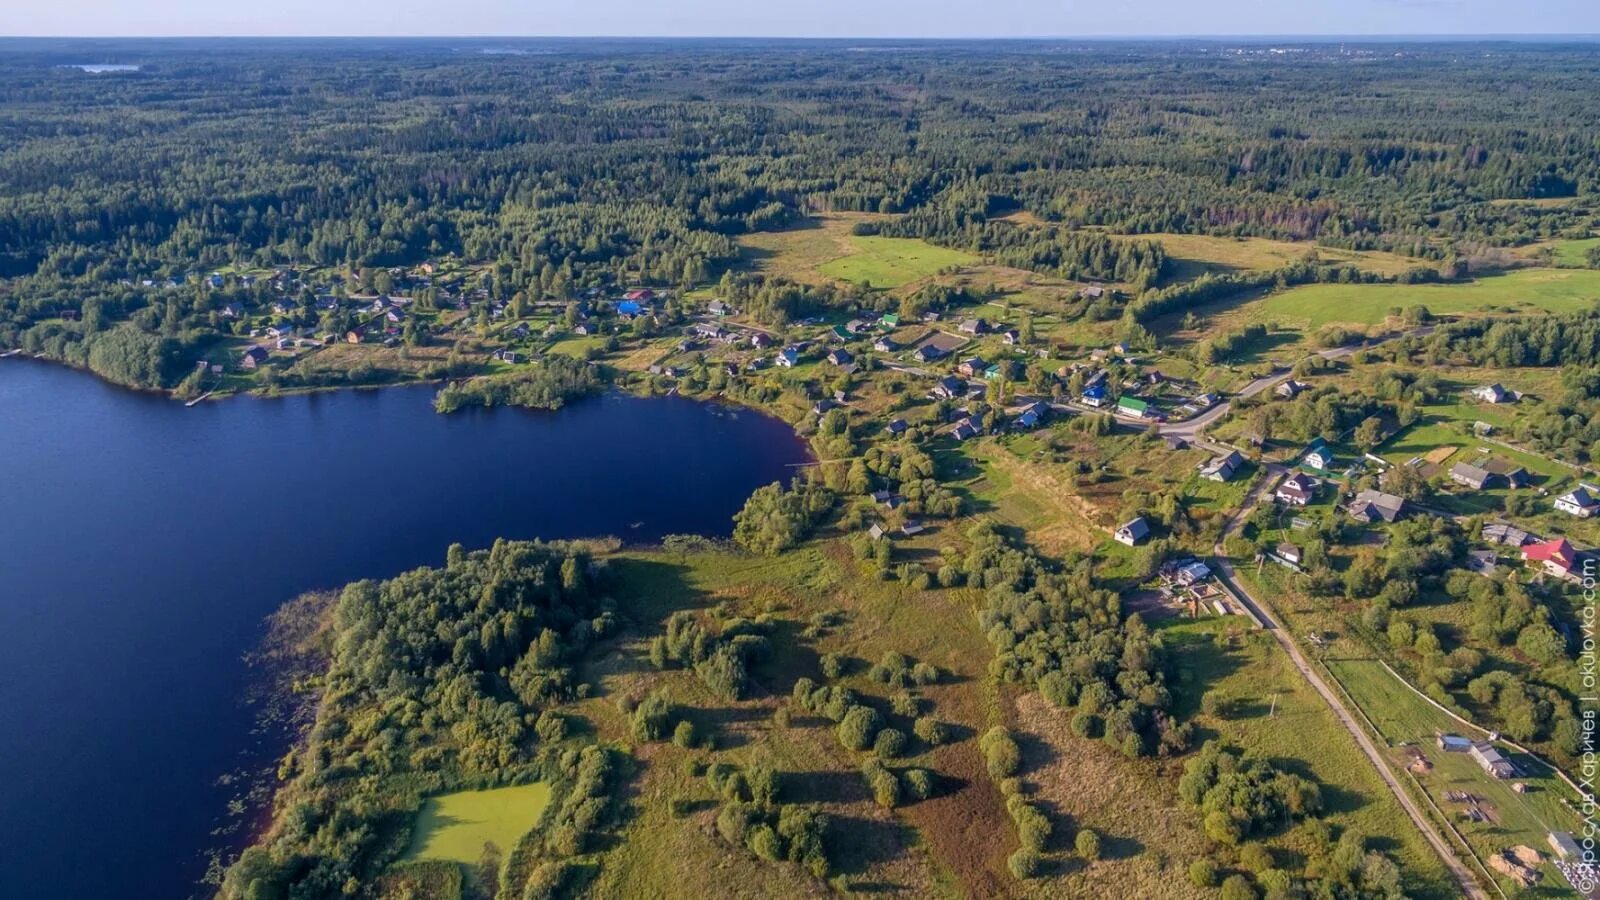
[{"x": 142, "y": 543}]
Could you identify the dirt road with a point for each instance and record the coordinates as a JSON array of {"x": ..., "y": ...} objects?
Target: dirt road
[{"x": 1463, "y": 876}]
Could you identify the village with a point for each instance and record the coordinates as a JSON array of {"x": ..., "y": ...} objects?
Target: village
[{"x": 968, "y": 377}]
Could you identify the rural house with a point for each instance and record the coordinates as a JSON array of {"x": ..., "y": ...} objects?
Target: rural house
[
  {"x": 1133, "y": 406},
  {"x": 928, "y": 353},
  {"x": 1223, "y": 468},
  {"x": 254, "y": 355},
  {"x": 1580, "y": 501},
  {"x": 1501, "y": 533},
  {"x": 1297, "y": 489},
  {"x": 1131, "y": 533},
  {"x": 1555, "y": 557},
  {"x": 1493, "y": 393},
  {"x": 1374, "y": 506},
  {"x": 974, "y": 326},
  {"x": 949, "y": 388},
  {"x": 897, "y": 427},
  {"x": 1514, "y": 475},
  {"x": 1094, "y": 395},
  {"x": 840, "y": 357},
  {"x": 971, "y": 368},
  {"x": 1289, "y": 389},
  {"x": 1470, "y": 476},
  {"x": 787, "y": 357},
  {"x": 1317, "y": 456},
  {"x": 1486, "y": 756}
]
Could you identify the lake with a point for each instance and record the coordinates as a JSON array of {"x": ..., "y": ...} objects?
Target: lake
[{"x": 142, "y": 543}]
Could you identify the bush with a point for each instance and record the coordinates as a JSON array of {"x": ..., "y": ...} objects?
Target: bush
[
  {"x": 890, "y": 743},
  {"x": 930, "y": 731},
  {"x": 1203, "y": 873},
  {"x": 1000, "y": 753},
  {"x": 918, "y": 783},
  {"x": 1033, "y": 827},
  {"x": 884, "y": 785},
  {"x": 764, "y": 843},
  {"x": 1237, "y": 887},
  {"x": 734, "y": 822},
  {"x": 858, "y": 727},
  {"x": 1087, "y": 844},
  {"x": 906, "y": 705},
  {"x": 684, "y": 735},
  {"x": 833, "y": 666},
  {"x": 1023, "y": 864},
  {"x": 1255, "y": 857},
  {"x": 1086, "y": 725},
  {"x": 650, "y": 719}
]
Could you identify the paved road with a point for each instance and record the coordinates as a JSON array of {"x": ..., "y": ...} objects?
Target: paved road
[
  {"x": 1190, "y": 429},
  {"x": 1274, "y": 473}
]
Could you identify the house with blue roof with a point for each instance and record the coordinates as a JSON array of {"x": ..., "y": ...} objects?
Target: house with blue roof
[
  {"x": 1317, "y": 455},
  {"x": 1094, "y": 395}
]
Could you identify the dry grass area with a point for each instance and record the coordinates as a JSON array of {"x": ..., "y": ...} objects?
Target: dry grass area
[
  {"x": 1057, "y": 517},
  {"x": 1149, "y": 839}
]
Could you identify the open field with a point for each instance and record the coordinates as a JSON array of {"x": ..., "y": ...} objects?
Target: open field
[
  {"x": 1402, "y": 717},
  {"x": 1525, "y": 290},
  {"x": 892, "y": 262},
  {"x": 456, "y": 827},
  {"x": 825, "y": 250},
  {"x": 1568, "y": 252},
  {"x": 1195, "y": 254}
]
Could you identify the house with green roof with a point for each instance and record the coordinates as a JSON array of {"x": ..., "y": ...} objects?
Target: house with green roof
[{"x": 1133, "y": 406}]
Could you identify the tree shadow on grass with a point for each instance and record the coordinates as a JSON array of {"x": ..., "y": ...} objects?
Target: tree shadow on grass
[
  {"x": 825, "y": 787},
  {"x": 857, "y": 844}
]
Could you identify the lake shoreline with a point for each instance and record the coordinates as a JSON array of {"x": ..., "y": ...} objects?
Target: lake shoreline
[{"x": 321, "y": 490}]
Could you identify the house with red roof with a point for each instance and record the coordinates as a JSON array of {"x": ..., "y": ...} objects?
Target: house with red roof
[{"x": 1555, "y": 557}]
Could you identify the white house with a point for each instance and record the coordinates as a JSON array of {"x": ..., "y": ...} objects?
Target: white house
[
  {"x": 1580, "y": 501},
  {"x": 1133, "y": 532}
]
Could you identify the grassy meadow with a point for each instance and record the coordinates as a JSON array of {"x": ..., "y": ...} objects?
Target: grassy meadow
[
  {"x": 825, "y": 250},
  {"x": 1523, "y": 290}
]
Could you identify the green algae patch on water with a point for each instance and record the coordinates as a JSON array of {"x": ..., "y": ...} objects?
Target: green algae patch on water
[{"x": 456, "y": 827}]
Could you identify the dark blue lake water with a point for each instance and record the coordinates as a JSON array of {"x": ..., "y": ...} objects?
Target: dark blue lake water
[{"x": 142, "y": 543}]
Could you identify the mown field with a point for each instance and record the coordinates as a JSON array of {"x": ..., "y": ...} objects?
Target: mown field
[
  {"x": 1402, "y": 717},
  {"x": 1524, "y": 290}
]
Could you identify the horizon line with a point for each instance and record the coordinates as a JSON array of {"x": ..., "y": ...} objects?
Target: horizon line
[{"x": 1307, "y": 36}]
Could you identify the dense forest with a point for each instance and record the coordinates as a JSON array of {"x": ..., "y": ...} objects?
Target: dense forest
[{"x": 573, "y": 165}]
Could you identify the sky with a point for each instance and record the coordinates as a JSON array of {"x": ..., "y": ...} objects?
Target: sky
[{"x": 798, "y": 18}]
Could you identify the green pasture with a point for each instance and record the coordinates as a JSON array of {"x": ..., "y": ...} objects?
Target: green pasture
[
  {"x": 1524, "y": 290},
  {"x": 888, "y": 262}
]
